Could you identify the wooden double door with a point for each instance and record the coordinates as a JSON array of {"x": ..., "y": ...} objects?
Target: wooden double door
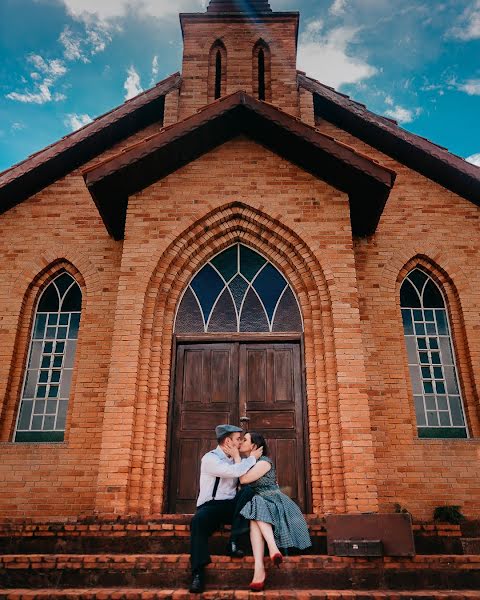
[{"x": 258, "y": 384}]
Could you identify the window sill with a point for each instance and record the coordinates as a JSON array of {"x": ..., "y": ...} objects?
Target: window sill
[
  {"x": 447, "y": 440},
  {"x": 29, "y": 444}
]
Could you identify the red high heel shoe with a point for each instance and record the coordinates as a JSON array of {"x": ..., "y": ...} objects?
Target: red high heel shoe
[
  {"x": 257, "y": 587},
  {"x": 277, "y": 559}
]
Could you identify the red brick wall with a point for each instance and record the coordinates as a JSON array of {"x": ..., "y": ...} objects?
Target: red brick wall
[
  {"x": 59, "y": 227},
  {"x": 423, "y": 224}
]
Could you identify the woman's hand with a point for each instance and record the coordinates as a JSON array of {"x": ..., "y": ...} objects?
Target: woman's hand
[{"x": 257, "y": 453}]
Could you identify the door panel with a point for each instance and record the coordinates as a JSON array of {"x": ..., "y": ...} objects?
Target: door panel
[
  {"x": 219, "y": 382},
  {"x": 206, "y": 394},
  {"x": 271, "y": 396}
]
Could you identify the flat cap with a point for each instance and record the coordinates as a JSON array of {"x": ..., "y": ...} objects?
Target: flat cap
[{"x": 226, "y": 429}]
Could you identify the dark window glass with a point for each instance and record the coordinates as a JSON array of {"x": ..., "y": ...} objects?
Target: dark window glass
[
  {"x": 49, "y": 301},
  {"x": 287, "y": 317},
  {"x": 189, "y": 317},
  {"x": 238, "y": 288},
  {"x": 226, "y": 262},
  {"x": 250, "y": 262},
  {"x": 270, "y": 285},
  {"x": 432, "y": 298},
  {"x": 73, "y": 300},
  {"x": 63, "y": 283},
  {"x": 207, "y": 285},
  {"x": 253, "y": 316},
  {"x": 261, "y": 74},
  {"x": 218, "y": 75},
  {"x": 224, "y": 317},
  {"x": 419, "y": 278},
  {"x": 409, "y": 297}
]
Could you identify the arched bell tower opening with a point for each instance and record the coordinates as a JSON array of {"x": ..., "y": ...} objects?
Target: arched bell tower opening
[{"x": 239, "y": 353}]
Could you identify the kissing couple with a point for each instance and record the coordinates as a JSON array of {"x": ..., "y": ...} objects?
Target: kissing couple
[{"x": 259, "y": 506}]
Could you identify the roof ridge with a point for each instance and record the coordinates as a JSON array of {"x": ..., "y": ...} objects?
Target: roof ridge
[{"x": 90, "y": 125}]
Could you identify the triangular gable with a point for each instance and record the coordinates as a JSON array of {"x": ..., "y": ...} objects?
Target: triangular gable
[
  {"x": 367, "y": 183},
  {"x": 54, "y": 162},
  {"x": 416, "y": 152}
]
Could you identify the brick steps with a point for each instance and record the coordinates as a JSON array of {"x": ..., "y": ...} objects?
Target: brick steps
[
  {"x": 298, "y": 572},
  {"x": 170, "y": 534},
  {"x": 183, "y": 594}
]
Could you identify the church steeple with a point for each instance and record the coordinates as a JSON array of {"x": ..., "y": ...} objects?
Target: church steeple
[{"x": 239, "y": 6}]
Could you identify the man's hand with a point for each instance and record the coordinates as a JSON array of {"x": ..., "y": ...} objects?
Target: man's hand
[
  {"x": 232, "y": 450},
  {"x": 257, "y": 453}
]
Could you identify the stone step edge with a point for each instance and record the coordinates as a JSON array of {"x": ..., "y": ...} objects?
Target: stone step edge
[
  {"x": 302, "y": 562},
  {"x": 212, "y": 594}
]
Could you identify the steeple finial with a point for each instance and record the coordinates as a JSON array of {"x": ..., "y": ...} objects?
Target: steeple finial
[{"x": 239, "y": 6}]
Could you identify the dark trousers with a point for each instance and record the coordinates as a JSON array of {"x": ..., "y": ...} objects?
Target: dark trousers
[{"x": 208, "y": 518}]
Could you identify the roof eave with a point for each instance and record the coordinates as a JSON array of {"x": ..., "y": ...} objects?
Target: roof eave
[{"x": 368, "y": 184}]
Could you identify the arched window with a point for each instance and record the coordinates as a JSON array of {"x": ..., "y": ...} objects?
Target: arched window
[
  {"x": 217, "y": 71},
  {"x": 262, "y": 71},
  {"x": 238, "y": 291},
  {"x": 433, "y": 371},
  {"x": 48, "y": 377}
]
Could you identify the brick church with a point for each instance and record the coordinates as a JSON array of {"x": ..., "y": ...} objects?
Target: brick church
[{"x": 239, "y": 243}]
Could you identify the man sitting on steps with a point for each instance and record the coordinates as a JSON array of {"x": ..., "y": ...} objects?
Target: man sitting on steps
[{"x": 219, "y": 474}]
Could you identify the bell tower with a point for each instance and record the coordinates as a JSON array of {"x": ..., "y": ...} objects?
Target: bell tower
[{"x": 239, "y": 45}]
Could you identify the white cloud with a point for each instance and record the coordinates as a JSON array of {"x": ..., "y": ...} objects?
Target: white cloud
[
  {"x": 43, "y": 79},
  {"x": 18, "y": 126},
  {"x": 325, "y": 55},
  {"x": 93, "y": 40},
  {"x": 338, "y": 7},
  {"x": 470, "y": 87},
  {"x": 401, "y": 114},
  {"x": 468, "y": 27},
  {"x": 474, "y": 159},
  {"x": 132, "y": 84},
  {"x": 154, "y": 79},
  {"x": 108, "y": 9},
  {"x": 75, "y": 121}
]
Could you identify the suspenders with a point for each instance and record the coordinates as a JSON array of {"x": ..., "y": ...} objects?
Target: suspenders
[{"x": 215, "y": 487}]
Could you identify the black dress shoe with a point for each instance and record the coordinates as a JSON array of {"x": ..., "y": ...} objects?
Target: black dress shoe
[
  {"x": 234, "y": 551},
  {"x": 198, "y": 585}
]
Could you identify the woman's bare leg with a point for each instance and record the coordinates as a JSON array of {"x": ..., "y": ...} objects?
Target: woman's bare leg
[
  {"x": 258, "y": 547},
  {"x": 267, "y": 533}
]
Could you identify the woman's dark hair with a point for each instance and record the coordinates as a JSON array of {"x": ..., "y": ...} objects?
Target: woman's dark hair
[{"x": 259, "y": 441}]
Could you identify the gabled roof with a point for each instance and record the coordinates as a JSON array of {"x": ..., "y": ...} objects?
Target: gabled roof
[
  {"x": 416, "y": 152},
  {"x": 367, "y": 183},
  {"x": 43, "y": 168}
]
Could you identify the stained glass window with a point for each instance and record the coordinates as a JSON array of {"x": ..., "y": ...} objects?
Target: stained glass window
[
  {"x": 433, "y": 372},
  {"x": 48, "y": 377},
  {"x": 238, "y": 291}
]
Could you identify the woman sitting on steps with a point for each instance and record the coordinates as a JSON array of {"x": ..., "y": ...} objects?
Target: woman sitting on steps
[{"x": 274, "y": 517}]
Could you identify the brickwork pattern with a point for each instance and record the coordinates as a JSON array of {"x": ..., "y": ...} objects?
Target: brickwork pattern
[
  {"x": 280, "y": 214},
  {"x": 239, "y": 38},
  {"x": 428, "y": 226}
]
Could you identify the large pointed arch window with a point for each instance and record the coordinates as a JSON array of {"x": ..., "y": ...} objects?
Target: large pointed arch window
[
  {"x": 433, "y": 371},
  {"x": 238, "y": 291},
  {"x": 48, "y": 377}
]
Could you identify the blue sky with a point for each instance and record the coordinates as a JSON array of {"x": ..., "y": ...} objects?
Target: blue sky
[{"x": 64, "y": 62}]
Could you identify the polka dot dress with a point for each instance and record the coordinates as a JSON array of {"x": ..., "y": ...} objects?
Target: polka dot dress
[{"x": 271, "y": 505}]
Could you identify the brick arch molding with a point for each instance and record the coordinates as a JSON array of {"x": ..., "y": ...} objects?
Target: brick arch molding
[{"x": 209, "y": 235}]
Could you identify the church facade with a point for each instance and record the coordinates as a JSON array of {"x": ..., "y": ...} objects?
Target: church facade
[{"x": 242, "y": 244}]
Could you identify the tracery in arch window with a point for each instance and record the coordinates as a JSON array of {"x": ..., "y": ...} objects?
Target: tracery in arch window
[
  {"x": 433, "y": 372},
  {"x": 48, "y": 377},
  {"x": 238, "y": 290}
]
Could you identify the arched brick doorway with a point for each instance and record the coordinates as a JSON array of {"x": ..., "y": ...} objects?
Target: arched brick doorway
[{"x": 238, "y": 358}]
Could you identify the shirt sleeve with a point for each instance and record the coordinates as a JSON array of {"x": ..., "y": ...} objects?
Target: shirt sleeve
[{"x": 213, "y": 465}]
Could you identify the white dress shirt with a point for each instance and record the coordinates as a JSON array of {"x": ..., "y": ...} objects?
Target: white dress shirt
[{"x": 217, "y": 464}]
